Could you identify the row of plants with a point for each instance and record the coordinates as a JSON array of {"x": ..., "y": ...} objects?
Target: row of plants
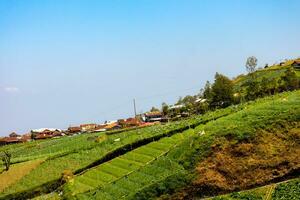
[{"x": 124, "y": 165}]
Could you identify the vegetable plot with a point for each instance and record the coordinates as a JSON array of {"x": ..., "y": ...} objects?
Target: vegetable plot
[{"x": 125, "y": 165}]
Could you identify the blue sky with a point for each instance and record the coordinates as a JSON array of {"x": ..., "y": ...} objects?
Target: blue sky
[{"x": 66, "y": 62}]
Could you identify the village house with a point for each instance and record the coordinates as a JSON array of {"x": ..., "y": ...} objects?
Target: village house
[
  {"x": 44, "y": 133},
  {"x": 130, "y": 122},
  {"x": 13, "y": 134},
  {"x": 153, "y": 117},
  {"x": 26, "y": 137},
  {"x": 296, "y": 64},
  {"x": 112, "y": 126},
  {"x": 74, "y": 129},
  {"x": 9, "y": 140},
  {"x": 88, "y": 127}
]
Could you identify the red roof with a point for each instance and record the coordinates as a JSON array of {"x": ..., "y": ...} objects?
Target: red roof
[
  {"x": 42, "y": 136},
  {"x": 74, "y": 129},
  {"x": 10, "y": 140}
]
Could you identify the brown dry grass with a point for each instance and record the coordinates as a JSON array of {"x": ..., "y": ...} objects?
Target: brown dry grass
[
  {"x": 236, "y": 166},
  {"x": 16, "y": 172},
  {"x": 239, "y": 166}
]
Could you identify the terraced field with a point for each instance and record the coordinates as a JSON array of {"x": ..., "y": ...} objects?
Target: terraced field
[
  {"x": 123, "y": 166},
  {"x": 139, "y": 163},
  {"x": 82, "y": 152}
]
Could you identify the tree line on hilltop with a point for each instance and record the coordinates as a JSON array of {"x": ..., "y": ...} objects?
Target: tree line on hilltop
[{"x": 222, "y": 92}]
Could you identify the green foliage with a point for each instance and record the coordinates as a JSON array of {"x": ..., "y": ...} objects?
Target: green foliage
[
  {"x": 5, "y": 157},
  {"x": 222, "y": 91},
  {"x": 153, "y": 109},
  {"x": 245, "y": 196},
  {"x": 165, "y": 109},
  {"x": 240, "y": 196},
  {"x": 289, "y": 190},
  {"x": 207, "y": 93},
  {"x": 290, "y": 80}
]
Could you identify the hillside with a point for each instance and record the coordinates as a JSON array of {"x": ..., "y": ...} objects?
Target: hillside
[
  {"x": 240, "y": 147},
  {"x": 274, "y": 72}
]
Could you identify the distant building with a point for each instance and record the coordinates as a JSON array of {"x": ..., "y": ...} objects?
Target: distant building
[
  {"x": 44, "y": 130},
  {"x": 9, "y": 140},
  {"x": 13, "y": 134},
  {"x": 44, "y": 133},
  {"x": 296, "y": 64},
  {"x": 26, "y": 137},
  {"x": 88, "y": 127},
  {"x": 112, "y": 126},
  {"x": 130, "y": 122},
  {"x": 74, "y": 129},
  {"x": 153, "y": 117}
]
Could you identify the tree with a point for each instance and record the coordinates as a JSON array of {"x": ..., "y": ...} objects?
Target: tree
[
  {"x": 290, "y": 80},
  {"x": 5, "y": 157},
  {"x": 207, "y": 93},
  {"x": 153, "y": 109},
  {"x": 252, "y": 90},
  {"x": 165, "y": 108},
  {"x": 251, "y": 64},
  {"x": 222, "y": 91}
]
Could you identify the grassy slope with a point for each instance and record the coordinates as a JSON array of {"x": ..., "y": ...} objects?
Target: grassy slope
[
  {"x": 242, "y": 125},
  {"x": 71, "y": 153}
]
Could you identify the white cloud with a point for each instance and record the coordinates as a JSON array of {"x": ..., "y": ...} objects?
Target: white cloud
[{"x": 10, "y": 89}]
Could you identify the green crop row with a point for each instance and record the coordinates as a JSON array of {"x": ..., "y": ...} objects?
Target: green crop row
[
  {"x": 123, "y": 165},
  {"x": 136, "y": 183}
]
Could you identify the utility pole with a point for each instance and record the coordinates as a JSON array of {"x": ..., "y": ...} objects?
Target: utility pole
[{"x": 134, "y": 108}]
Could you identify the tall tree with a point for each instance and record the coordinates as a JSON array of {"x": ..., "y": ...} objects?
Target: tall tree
[
  {"x": 207, "y": 93},
  {"x": 165, "y": 108},
  {"x": 251, "y": 64},
  {"x": 222, "y": 91}
]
